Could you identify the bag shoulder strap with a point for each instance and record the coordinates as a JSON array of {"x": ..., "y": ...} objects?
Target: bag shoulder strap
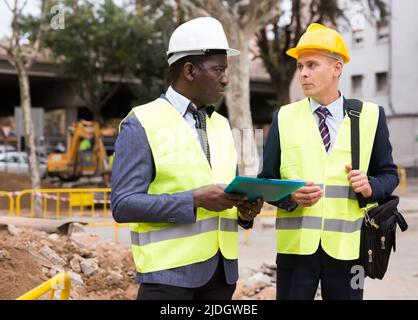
[
  {"x": 401, "y": 221},
  {"x": 353, "y": 108}
]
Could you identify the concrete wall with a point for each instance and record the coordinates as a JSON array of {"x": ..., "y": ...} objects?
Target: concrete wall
[
  {"x": 395, "y": 56},
  {"x": 367, "y": 59},
  {"x": 404, "y": 56},
  {"x": 404, "y": 139}
]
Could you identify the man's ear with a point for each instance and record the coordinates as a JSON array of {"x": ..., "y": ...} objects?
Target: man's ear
[
  {"x": 338, "y": 69},
  {"x": 189, "y": 71}
]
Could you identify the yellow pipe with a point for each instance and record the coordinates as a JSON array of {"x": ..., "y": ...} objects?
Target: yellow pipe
[
  {"x": 116, "y": 232},
  {"x": 61, "y": 282},
  {"x": 45, "y": 206},
  {"x": 11, "y": 205},
  {"x": 57, "y": 213},
  {"x": 105, "y": 205},
  {"x": 19, "y": 196},
  {"x": 247, "y": 237},
  {"x": 10, "y": 197},
  {"x": 31, "y": 205}
]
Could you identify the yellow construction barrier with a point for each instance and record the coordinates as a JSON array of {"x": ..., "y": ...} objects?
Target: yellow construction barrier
[
  {"x": 402, "y": 179},
  {"x": 81, "y": 198},
  {"x": 263, "y": 214},
  {"x": 60, "y": 282},
  {"x": 11, "y": 201},
  {"x": 65, "y": 201}
]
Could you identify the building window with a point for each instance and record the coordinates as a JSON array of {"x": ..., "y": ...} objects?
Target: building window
[
  {"x": 382, "y": 83},
  {"x": 358, "y": 38},
  {"x": 382, "y": 28},
  {"x": 357, "y": 85}
]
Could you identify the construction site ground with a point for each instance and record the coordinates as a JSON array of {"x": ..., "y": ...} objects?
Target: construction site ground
[{"x": 103, "y": 269}]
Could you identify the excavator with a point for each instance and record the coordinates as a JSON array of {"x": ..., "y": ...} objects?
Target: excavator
[{"x": 85, "y": 154}]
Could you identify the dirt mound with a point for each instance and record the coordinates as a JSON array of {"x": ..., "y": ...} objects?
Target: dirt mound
[
  {"x": 98, "y": 269},
  {"x": 17, "y": 182},
  {"x": 19, "y": 270}
]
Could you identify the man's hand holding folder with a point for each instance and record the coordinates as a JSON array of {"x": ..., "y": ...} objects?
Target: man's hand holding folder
[
  {"x": 249, "y": 210},
  {"x": 214, "y": 198},
  {"x": 308, "y": 195}
]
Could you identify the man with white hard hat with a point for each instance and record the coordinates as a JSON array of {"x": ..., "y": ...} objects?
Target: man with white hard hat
[
  {"x": 172, "y": 157},
  {"x": 318, "y": 226}
]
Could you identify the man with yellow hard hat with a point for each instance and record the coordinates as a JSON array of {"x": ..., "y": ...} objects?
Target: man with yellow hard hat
[{"x": 318, "y": 226}]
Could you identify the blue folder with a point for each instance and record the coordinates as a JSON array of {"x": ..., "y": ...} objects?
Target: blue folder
[{"x": 268, "y": 189}]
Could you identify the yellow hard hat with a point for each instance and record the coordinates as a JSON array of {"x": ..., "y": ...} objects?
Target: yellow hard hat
[{"x": 320, "y": 37}]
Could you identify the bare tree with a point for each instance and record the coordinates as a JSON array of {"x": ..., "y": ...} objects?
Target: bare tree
[
  {"x": 21, "y": 52},
  {"x": 241, "y": 19}
]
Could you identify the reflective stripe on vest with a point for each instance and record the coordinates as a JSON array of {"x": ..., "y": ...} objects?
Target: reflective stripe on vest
[
  {"x": 180, "y": 231},
  {"x": 307, "y": 222},
  {"x": 335, "y": 220},
  {"x": 180, "y": 166}
]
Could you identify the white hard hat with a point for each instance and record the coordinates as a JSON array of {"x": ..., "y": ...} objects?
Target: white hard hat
[{"x": 197, "y": 36}]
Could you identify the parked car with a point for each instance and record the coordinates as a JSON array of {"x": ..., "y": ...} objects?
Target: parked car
[
  {"x": 17, "y": 162},
  {"x": 6, "y": 148}
]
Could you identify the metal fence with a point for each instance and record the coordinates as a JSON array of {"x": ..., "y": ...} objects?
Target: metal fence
[
  {"x": 89, "y": 205},
  {"x": 60, "y": 282}
]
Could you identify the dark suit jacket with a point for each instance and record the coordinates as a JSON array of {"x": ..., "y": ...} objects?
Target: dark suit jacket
[{"x": 382, "y": 172}]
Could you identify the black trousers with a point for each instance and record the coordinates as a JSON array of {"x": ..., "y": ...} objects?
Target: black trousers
[
  {"x": 298, "y": 277},
  {"x": 215, "y": 289}
]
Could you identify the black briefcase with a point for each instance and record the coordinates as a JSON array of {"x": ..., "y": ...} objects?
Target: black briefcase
[
  {"x": 378, "y": 232},
  {"x": 378, "y": 236}
]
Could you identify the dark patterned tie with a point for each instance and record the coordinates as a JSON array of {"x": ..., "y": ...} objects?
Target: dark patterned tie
[
  {"x": 323, "y": 128},
  {"x": 199, "y": 116}
]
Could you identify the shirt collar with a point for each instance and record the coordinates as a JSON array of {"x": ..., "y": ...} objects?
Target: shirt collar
[
  {"x": 335, "y": 108},
  {"x": 181, "y": 103},
  {"x": 178, "y": 101}
]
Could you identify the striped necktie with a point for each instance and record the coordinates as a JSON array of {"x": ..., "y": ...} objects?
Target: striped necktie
[
  {"x": 199, "y": 116},
  {"x": 322, "y": 114}
]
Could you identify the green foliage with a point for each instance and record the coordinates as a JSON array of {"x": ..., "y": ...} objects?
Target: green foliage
[
  {"x": 153, "y": 70},
  {"x": 105, "y": 44}
]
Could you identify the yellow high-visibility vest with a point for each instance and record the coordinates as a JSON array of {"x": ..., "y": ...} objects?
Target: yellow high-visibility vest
[
  {"x": 336, "y": 219},
  {"x": 181, "y": 165}
]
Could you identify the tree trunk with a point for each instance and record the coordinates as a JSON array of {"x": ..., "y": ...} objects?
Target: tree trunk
[
  {"x": 26, "y": 105},
  {"x": 238, "y": 104},
  {"x": 283, "y": 90},
  {"x": 238, "y": 93}
]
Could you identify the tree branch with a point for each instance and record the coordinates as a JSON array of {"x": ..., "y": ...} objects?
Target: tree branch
[
  {"x": 14, "y": 40},
  {"x": 260, "y": 13},
  {"x": 192, "y": 8},
  {"x": 8, "y": 5},
  {"x": 21, "y": 8},
  {"x": 38, "y": 39},
  {"x": 198, "y": 8},
  {"x": 109, "y": 94}
]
